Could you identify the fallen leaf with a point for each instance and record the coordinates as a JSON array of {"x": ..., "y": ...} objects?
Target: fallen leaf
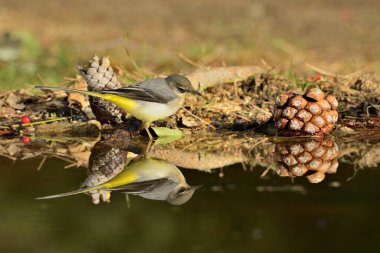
[
  {"x": 191, "y": 121},
  {"x": 76, "y": 98},
  {"x": 166, "y": 135},
  {"x": 14, "y": 102}
]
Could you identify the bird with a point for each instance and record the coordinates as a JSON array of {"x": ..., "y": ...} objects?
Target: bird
[
  {"x": 148, "y": 101},
  {"x": 150, "y": 178}
]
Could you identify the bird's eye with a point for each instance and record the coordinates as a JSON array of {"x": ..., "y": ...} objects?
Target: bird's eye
[
  {"x": 181, "y": 190},
  {"x": 182, "y": 90}
]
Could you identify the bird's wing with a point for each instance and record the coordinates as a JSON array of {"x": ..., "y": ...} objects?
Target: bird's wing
[
  {"x": 154, "y": 90},
  {"x": 140, "y": 187}
]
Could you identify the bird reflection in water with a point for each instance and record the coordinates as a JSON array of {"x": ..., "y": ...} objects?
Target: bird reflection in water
[
  {"x": 149, "y": 178},
  {"x": 311, "y": 158}
]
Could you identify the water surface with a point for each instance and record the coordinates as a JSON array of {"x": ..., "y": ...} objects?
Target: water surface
[{"x": 236, "y": 210}]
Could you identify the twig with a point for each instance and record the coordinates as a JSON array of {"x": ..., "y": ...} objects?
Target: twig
[
  {"x": 30, "y": 156},
  {"x": 191, "y": 144},
  {"x": 141, "y": 72},
  {"x": 261, "y": 110},
  {"x": 9, "y": 157},
  {"x": 321, "y": 71},
  {"x": 244, "y": 166},
  {"x": 221, "y": 173},
  {"x": 42, "y": 163},
  {"x": 40, "y": 122},
  {"x": 236, "y": 90},
  {"x": 130, "y": 74},
  {"x": 257, "y": 143},
  {"x": 128, "y": 200},
  {"x": 266, "y": 64},
  {"x": 70, "y": 79},
  {"x": 198, "y": 118},
  {"x": 242, "y": 117},
  {"x": 62, "y": 158},
  {"x": 71, "y": 165},
  {"x": 41, "y": 79},
  {"x": 193, "y": 63},
  {"x": 265, "y": 172}
]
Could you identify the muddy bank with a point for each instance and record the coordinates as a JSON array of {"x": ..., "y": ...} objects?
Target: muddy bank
[{"x": 234, "y": 99}]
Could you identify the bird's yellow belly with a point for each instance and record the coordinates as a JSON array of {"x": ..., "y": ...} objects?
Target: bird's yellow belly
[
  {"x": 148, "y": 111},
  {"x": 145, "y": 111}
]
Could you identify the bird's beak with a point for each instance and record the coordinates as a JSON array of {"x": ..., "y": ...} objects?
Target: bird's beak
[
  {"x": 196, "y": 187},
  {"x": 194, "y": 91}
]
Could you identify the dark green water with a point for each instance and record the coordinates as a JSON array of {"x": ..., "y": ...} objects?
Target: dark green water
[{"x": 236, "y": 213}]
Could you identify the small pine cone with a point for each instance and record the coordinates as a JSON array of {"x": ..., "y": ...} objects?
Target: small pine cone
[
  {"x": 289, "y": 112},
  {"x": 304, "y": 158},
  {"x": 311, "y": 145},
  {"x": 318, "y": 121},
  {"x": 314, "y": 164},
  {"x": 281, "y": 123},
  {"x": 310, "y": 128},
  {"x": 304, "y": 115},
  {"x": 313, "y": 113},
  {"x": 107, "y": 112},
  {"x": 298, "y": 102},
  {"x": 333, "y": 167},
  {"x": 327, "y": 129},
  {"x": 282, "y": 99},
  {"x": 330, "y": 116},
  {"x": 99, "y": 75},
  {"x": 315, "y": 94},
  {"x": 282, "y": 171},
  {"x": 326, "y": 165},
  {"x": 333, "y": 102},
  {"x": 313, "y": 108},
  {"x": 295, "y": 124},
  {"x": 319, "y": 151},
  {"x": 295, "y": 148},
  {"x": 316, "y": 178},
  {"x": 312, "y": 158},
  {"x": 289, "y": 160},
  {"x": 106, "y": 162},
  {"x": 298, "y": 170},
  {"x": 324, "y": 104}
]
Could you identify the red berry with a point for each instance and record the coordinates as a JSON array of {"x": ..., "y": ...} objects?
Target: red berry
[
  {"x": 25, "y": 139},
  {"x": 25, "y": 120}
]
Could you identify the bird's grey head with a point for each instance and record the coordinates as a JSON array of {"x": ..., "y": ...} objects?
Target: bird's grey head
[
  {"x": 181, "y": 83},
  {"x": 181, "y": 194}
]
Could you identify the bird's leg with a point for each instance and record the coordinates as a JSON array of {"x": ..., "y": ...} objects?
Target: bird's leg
[
  {"x": 146, "y": 127},
  {"x": 149, "y": 134},
  {"x": 147, "y": 148}
]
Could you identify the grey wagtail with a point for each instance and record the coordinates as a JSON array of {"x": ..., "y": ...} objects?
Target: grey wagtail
[
  {"x": 149, "y": 178},
  {"x": 149, "y": 100}
]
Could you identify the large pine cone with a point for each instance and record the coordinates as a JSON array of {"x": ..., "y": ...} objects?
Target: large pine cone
[
  {"x": 99, "y": 75},
  {"x": 105, "y": 163},
  {"x": 312, "y": 113},
  {"x": 313, "y": 158}
]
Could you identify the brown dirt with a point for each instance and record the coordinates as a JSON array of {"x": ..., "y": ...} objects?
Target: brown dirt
[{"x": 232, "y": 101}]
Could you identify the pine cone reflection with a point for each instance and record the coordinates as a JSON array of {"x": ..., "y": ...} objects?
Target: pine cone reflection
[
  {"x": 105, "y": 163},
  {"x": 311, "y": 158}
]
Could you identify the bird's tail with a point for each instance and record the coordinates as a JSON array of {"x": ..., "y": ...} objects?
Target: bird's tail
[
  {"x": 90, "y": 93},
  {"x": 70, "y": 193}
]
